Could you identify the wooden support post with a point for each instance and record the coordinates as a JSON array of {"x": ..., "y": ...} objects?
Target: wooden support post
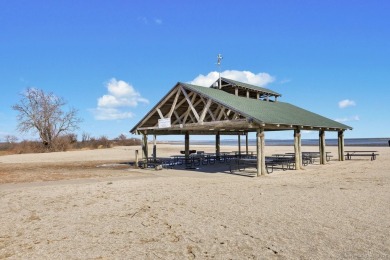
[
  {"x": 218, "y": 144},
  {"x": 341, "y": 145},
  {"x": 322, "y": 147},
  {"x": 154, "y": 148},
  {"x": 145, "y": 148},
  {"x": 262, "y": 139},
  {"x": 246, "y": 143},
  {"x": 297, "y": 152},
  {"x": 239, "y": 145},
  {"x": 236, "y": 91},
  {"x": 260, "y": 152},
  {"x": 300, "y": 150},
  {"x": 187, "y": 145},
  {"x": 338, "y": 146},
  {"x": 136, "y": 159}
]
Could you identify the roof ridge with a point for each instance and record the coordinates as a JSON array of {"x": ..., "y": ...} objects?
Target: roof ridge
[{"x": 251, "y": 86}]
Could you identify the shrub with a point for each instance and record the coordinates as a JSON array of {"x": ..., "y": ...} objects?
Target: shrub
[
  {"x": 29, "y": 147},
  {"x": 62, "y": 143}
]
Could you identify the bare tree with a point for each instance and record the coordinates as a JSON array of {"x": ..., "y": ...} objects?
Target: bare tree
[
  {"x": 11, "y": 139},
  {"x": 85, "y": 137},
  {"x": 121, "y": 137},
  {"x": 43, "y": 113}
]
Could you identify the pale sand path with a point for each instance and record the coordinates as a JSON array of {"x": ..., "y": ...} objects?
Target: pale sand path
[{"x": 339, "y": 210}]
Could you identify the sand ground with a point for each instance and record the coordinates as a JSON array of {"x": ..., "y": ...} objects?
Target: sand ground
[{"x": 83, "y": 205}]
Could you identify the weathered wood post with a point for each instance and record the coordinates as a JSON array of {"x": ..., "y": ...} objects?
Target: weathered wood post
[
  {"x": 239, "y": 145},
  {"x": 187, "y": 145},
  {"x": 341, "y": 145},
  {"x": 154, "y": 148},
  {"x": 297, "y": 150},
  {"x": 136, "y": 159},
  {"x": 246, "y": 143},
  {"x": 322, "y": 147},
  {"x": 217, "y": 144},
  {"x": 144, "y": 146},
  {"x": 300, "y": 150},
  {"x": 260, "y": 152},
  {"x": 338, "y": 146},
  {"x": 262, "y": 139}
]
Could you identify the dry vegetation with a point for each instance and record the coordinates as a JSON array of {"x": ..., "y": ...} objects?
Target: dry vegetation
[
  {"x": 65, "y": 143},
  {"x": 33, "y": 172}
]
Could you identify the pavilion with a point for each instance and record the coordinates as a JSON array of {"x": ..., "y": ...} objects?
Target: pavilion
[{"x": 230, "y": 107}]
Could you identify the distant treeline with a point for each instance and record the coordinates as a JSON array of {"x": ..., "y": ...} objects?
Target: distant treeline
[{"x": 65, "y": 143}]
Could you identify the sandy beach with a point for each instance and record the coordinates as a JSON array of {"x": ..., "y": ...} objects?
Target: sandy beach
[{"x": 87, "y": 205}]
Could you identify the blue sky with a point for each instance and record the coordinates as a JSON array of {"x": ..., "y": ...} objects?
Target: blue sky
[{"x": 114, "y": 60}]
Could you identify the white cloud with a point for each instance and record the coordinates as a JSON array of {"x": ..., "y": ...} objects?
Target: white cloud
[
  {"x": 346, "y": 103},
  {"x": 259, "y": 79},
  {"x": 348, "y": 119},
  {"x": 285, "y": 81},
  {"x": 148, "y": 20},
  {"x": 120, "y": 95}
]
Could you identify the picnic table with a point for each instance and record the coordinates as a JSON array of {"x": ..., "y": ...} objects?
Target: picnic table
[
  {"x": 371, "y": 154},
  {"x": 271, "y": 163},
  {"x": 243, "y": 153},
  {"x": 284, "y": 155},
  {"x": 153, "y": 162},
  {"x": 190, "y": 162},
  {"x": 311, "y": 156},
  {"x": 222, "y": 156}
]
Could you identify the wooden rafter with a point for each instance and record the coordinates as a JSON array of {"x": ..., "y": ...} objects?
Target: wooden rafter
[
  {"x": 211, "y": 115},
  {"x": 190, "y": 103},
  {"x": 190, "y": 106},
  {"x": 222, "y": 113},
  {"x": 178, "y": 119},
  {"x": 160, "y": 105},
  {"x": 159, "y": 113},
  {"x": 174, "y": 103},
  {"x": 205, "y": 110}
]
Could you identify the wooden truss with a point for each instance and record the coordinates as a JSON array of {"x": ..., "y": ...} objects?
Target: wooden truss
[{"x": 190, "y": 111}]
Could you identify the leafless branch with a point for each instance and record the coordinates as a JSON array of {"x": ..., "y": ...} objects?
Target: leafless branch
[{"x": 43, "y": 113}]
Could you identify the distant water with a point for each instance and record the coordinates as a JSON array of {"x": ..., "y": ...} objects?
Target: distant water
[{"x": 306, "y": 142}]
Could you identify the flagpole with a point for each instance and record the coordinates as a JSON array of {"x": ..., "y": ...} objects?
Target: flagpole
[{"x": 219, "y": 58}]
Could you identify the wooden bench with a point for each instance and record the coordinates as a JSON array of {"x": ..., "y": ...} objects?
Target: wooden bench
[{"x": 371, "y": 154}]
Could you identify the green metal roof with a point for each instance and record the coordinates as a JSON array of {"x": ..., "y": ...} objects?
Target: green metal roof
[
  {"x": 251, "y": 87},
  {"x": 267, "y": 112}
]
